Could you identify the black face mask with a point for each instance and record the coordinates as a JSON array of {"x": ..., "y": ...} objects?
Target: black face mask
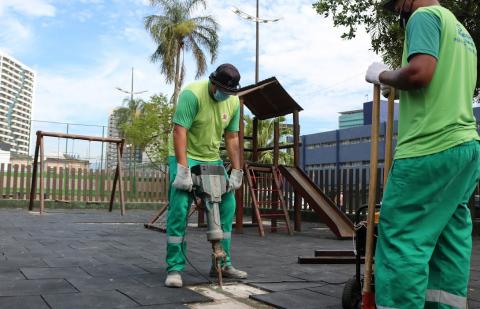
[{"x": 405, "y": 16}]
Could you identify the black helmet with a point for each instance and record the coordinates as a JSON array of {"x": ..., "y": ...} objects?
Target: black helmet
[{"x": 227, "y": 78}]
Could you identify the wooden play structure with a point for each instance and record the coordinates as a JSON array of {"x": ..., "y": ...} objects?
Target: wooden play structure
[
  {"x": 38, "y": 163},
  {"x": 264, "y": 184}
]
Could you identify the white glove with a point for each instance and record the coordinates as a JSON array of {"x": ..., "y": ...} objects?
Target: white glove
[
  {"x": 374, "y": 71},
  {"x": 235, "y": 180},
  {"x": 183, "y": 179},
  {"x": 386, "y": 91}
]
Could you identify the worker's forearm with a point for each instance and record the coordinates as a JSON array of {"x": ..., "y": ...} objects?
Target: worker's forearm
[
  {"x": 180, "y": 145},
  {"x": 409, "y": 77},
  {"x": 233, "y": 150}
]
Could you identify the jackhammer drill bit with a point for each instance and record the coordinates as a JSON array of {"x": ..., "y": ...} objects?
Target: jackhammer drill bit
[{"x": 218, "y": 256}]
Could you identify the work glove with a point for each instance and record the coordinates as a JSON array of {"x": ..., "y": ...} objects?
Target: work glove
[
  {"x": 386, "y": 91},
  {"x": 183, "y": 179},
  {"x": 235, "y": 180},
  {"x": 374, "y": 71}
]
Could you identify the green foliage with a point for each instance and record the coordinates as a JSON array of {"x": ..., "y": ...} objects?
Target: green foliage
[
  {"x": 174, "y": 31},
  {"x": 148, "y": 126},
  {"x": 265, "y": 139},
  {"x": 386, "y": 35}
]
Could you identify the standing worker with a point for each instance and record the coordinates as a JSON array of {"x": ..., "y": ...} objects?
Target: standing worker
[
  {"x": 206, "y": 110},
  {"x": 424, "y": 236}
]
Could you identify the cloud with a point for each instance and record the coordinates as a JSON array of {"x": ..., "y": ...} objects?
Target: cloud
[
  {"x": 14, "y": 35},
  {"x": 28, "y": 7},
  {"x": 323, "y": 72}
]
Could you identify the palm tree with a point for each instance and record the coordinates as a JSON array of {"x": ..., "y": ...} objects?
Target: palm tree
[
  {"x": 265, "y": 139},
  {"x": 124, "y": 116},
  {"x": 175, "y": 32}
]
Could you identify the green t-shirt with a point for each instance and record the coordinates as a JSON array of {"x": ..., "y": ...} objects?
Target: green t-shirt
[
  {"x": 206, "y": 121},
  {"x": 439, "y": 116}
]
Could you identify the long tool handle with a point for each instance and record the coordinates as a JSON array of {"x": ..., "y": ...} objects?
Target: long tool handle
[
  {"x": 372, "y": 192},
  {"x": 389, "y": 136}
]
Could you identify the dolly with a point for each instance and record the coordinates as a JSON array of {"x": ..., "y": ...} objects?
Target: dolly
[{"x": 209, "y": 184}]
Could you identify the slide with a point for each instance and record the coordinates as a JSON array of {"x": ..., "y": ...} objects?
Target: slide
[{"x": 335, "y": 219}]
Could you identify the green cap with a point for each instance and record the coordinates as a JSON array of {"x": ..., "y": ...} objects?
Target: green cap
[{"x": 388, "y": 5}]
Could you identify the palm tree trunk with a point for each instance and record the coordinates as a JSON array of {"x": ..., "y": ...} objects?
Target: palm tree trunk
[{"x": 176, "y": 89}]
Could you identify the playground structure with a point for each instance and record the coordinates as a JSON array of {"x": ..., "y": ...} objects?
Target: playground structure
[
  {"x": 39, "y": 163},
  {"x": 266, "y": 100}
]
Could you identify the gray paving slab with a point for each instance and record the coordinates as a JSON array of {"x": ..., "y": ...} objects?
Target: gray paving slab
[
  {"x": 329, "y": 289},
  {"x": 474, "y": 305},
  {"x": 101, "y": 284},
  {"x": 100, "y": 300},
  {"x": 22, "y": 302},
  {"x": 161, "y": 295},
  {"x": 128, "y": 257},
  {"x": 113, "y": 270},
  {"x": 296, "y": 299},
  {"x": 35, "y": 287},
  {"x": 286, "y": 286},
  {"x": 54, "y": 272}
]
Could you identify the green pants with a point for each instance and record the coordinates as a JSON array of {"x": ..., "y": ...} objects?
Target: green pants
[
  {"x": 424, "y": 241},
  {"x": 179, "y": 203}
]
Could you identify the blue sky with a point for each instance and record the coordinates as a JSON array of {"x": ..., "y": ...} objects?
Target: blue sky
[{"x": 82, "y": 49}]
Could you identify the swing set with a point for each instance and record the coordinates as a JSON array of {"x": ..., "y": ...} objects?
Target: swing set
[{"x": 39, "y": 162}]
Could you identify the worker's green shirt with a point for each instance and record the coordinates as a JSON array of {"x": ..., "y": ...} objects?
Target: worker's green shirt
[
  {"x": 206, "y": 121},
  {"x": 440, "y": 116}
]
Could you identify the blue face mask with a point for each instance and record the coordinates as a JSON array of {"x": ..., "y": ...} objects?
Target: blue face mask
[{"x": 220, "y": 96}]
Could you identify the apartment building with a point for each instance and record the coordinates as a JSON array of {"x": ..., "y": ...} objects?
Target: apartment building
[{"x": 16, "y": 100}]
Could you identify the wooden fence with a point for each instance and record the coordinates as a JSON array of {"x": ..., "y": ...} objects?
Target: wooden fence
[
  {"x": 347, "y": 187},
  {"x": 86, "y": 185}
]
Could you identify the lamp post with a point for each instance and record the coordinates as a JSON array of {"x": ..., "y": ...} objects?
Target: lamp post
[
  {"x": 131, "y": 93},
  {"x": 257, "y": 21}
]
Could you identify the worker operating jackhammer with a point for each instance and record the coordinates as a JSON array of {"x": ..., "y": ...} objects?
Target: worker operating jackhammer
[
  {"x": 424, "y": 241},
  {"x": 205, "y": 111}
]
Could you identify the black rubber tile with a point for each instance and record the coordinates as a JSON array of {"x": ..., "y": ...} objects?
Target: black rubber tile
[
  {"x": 161, "y": 295},
  {"x": 22, "y": 302},
  {"x": 101, "y": 284},
  {"x": 113, "y": 270},
  {"x": 54, "y": 272},
  {"x": 13, "y": 274},
  {"x": 35, "y": 287},
  {"x": 70, "y": 261},
  {"x": 103, "y": 300},
  {"x": 329, "y": 290},
  {"x": 295, "y": 299},
  {"x": 285, "y": 286}
]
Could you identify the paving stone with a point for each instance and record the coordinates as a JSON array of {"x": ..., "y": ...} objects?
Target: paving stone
[
  {"x": 113, "y": 270},
  {"x": 22, "y": 302},
  {"x": 11, "y": 275},
  {"x": 101, "y": 284},
  {"x": 103, "y": 300},
  {"x": 285, "y": 286},
  {"x": 330, "y": 290},
  {"x": 161, "y": 295},
  {"x": 70, "y": 261},
  {"x": 295, "y": 299},
  {"x": 473, "y": 305},
  {"x": 54, "y": 272},
  {"x": 35, "y": 287}
]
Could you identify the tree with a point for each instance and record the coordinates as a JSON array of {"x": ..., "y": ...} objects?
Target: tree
[
  {"x": 265, "y": 139},
  {"x": 150, "y": 128},
  {"x": 124, "y": 117},
  {"x": 386, "y": 35},
  {"x": 177, "y": 31}
]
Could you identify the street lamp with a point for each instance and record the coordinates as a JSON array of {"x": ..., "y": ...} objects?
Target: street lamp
[
  {"x": 257, "y": 21},
  {"x": 131, "y": 93}
]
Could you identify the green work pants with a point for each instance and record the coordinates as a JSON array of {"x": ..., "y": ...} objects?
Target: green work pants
[
  {"x": 424, "y": 241},
  {"x": 179, "y": 204}
]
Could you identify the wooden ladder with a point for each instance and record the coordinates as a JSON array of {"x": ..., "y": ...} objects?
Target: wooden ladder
[{"x": 271, "y": 190}]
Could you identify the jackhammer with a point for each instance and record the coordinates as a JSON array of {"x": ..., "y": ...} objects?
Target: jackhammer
[{"x": 210, "y": 184}]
